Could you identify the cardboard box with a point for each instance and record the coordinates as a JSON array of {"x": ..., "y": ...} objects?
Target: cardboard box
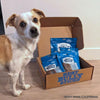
[{"x": 62, "y": 27}]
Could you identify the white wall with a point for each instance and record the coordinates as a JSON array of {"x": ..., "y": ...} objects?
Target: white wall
[{"x": 87, "y": 10}]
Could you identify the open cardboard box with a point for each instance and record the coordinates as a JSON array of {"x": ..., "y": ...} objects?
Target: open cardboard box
[{"x": 62, "y": 27}]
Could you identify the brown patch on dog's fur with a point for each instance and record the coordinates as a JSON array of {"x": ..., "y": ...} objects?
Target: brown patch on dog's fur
[
  {"x": 39, "y": 12},
  {"x": 24, "y": 22},
  {"x": 36, "y": 16},
  {"x": 17, "y": 24},
  {"x": 5, "y": 50},
  {"x": 11, "y": 20}
]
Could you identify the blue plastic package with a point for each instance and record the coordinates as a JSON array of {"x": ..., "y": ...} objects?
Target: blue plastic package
[
  {"x": 73, "y": 51},
  {"x": 69, "y": 59},
  {"x": 50, "y": 62},
  {"x": 61, "y": 44}
]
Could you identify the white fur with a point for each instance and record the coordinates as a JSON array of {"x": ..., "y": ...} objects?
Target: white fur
[
  {"x": 27, "y": 17},
  {"x": 22, "y": 54},
  {"x": 22, "y": 49}
]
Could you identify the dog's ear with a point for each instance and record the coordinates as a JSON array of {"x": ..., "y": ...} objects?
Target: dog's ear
[
  {"x": 39, "y": 12},
  {"x": 11, "y": 20}
]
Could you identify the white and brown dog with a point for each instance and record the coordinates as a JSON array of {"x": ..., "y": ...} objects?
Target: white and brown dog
[{"x": 17, "y": 48}]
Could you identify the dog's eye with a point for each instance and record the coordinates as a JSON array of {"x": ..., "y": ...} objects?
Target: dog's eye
[
  {"x": 22, "y": 24},
  {"x": 35, "y": 20}
]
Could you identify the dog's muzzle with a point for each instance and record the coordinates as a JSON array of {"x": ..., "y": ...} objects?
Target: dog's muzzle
[{"x": 34, "y": 32}]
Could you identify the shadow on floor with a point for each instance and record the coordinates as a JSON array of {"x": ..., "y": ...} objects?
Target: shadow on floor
[
  {"x": 31, "y": 77},
  {"x": 4, "y": 83},
  {"x": 34, "y": 73}
]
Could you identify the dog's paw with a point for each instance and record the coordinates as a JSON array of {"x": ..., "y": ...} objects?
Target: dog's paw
[
  {"x": 26, "y": 86},
  {"x": 17, "y": 93}
]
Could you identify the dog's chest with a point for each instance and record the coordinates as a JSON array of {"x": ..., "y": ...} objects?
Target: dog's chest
[{"x": 21, "y": 54}]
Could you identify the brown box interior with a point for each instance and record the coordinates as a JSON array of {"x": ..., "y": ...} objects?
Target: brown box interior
[{"x": 60, "y": 27}]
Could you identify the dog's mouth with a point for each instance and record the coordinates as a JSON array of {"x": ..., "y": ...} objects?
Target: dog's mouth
[{"x": 34, "y": 35}]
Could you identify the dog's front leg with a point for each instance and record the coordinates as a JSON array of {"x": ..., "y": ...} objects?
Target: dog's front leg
[
  {"x": 22, "y": 81},
  {"x": 14, "y": 78}
]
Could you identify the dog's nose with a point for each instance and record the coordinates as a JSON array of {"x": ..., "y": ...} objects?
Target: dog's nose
[{"x": 33, "y": 30}]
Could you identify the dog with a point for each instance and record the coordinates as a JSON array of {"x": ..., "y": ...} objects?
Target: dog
[{"x": 17, "y": 48}]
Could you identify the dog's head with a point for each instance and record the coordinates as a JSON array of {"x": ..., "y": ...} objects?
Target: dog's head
[{"x": 27, "y": 24}]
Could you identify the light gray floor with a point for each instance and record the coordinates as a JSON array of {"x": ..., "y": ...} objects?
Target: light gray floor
[
  {"x": 87, "y": 88},
  {"x": 32, "y": 77}
]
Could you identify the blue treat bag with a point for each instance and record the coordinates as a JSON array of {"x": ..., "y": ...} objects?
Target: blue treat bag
[
  {"x": 61, "y": 44},
  {"x": 50, "y": 62},
  {"x": 68, "y": 60},
  {"x": 73, "y": 51}
]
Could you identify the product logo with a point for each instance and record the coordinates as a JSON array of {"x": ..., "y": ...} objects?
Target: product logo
[
  {"x": 63, "y": 45},
  {"x": 70, "y": 77},
  {"x": 69, "y": 40}
]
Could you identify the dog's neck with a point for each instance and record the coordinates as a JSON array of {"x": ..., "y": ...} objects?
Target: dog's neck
[{"x": 28, "y": 44}]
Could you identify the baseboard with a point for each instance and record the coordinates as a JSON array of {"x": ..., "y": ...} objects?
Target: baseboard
[{"x": 90, "y": 53}]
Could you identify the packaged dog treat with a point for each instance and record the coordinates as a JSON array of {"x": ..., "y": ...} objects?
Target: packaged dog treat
[
  {"x": 51, "y": 64},
  {"x": 61, "y": 44},
  {"x": 67, "y": 67},
  {"x": 51, "y": 72},
  {"x": 70, "y": 63},
  {"x": 68, "y": 60},
  {"x": 73, "y": 51}
]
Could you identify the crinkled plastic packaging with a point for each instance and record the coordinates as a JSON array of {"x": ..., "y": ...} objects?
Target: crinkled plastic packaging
[
  {"x": 61, "y": 44},
  {"x": 51, "y": 64},
  {"x": 69, "y": 59}
]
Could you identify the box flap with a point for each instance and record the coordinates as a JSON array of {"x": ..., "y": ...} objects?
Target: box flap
[{"x": 59, "y": 27}]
